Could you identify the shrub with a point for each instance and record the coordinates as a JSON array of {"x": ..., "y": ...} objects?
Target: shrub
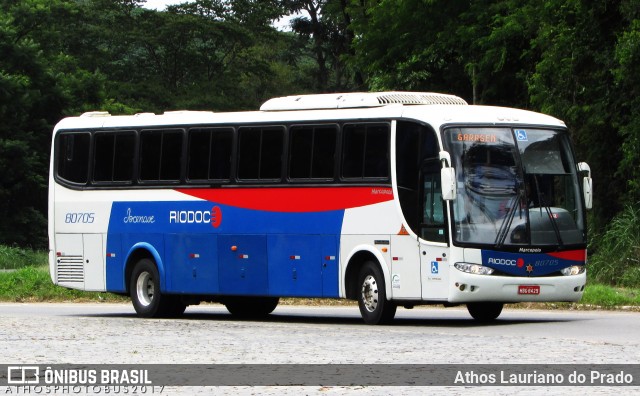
[
  {"x": 14, "y": 258},
  {"x": 617, "y": 258}
]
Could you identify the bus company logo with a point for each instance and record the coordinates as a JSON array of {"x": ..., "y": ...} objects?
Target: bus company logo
[
  {"x": 213, "y": 217},
  {"x": 502, "y": 261}
]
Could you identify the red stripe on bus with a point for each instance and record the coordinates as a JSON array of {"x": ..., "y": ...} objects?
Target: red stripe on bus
[
  {"x": 573, "y": 255},
  {"x": 294, "y": 199}
]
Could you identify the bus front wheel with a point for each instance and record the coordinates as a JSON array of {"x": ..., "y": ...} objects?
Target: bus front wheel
[
  {"x": 372, "y": 297},
  {"x": 485, "y": 311},
  {"x": 146, "y": 296}
]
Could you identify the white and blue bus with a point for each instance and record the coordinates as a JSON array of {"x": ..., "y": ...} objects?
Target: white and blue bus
[{"x": 391, "y": 199}]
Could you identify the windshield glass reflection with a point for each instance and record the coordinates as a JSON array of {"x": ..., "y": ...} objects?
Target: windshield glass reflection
[{"x": 515, "y": 187}]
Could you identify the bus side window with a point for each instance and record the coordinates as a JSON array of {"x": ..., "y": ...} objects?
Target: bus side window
[
  {"x": 73, "y": 157},
  {"x": 209, "y": 154},
  {"x": 366, "y": 151},
  {"x": 160, "y": 155},
  {"x": 312, "y": 152},
  {"x": 260, "y": 151},
  {"x": 114, "y": 154}
]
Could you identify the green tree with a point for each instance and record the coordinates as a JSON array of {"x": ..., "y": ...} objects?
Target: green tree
[
  {"x": 627, "y": 92},
  {"x": 40, "y": 81},
  {"x": 573, "y": 81},
  {"x": 204, "y": 55},
  {"x": 29, "y": 104},
  {"x": 475, "y": 49},
  {"x": 412, "y": 45},
  {"x": 325, "y": 27}
]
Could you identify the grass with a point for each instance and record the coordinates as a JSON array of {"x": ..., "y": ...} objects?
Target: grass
[
  {"x": 33, "y": 284},
  {"x": 616, "y": 252},
  {"x": 29, "y": 281},
  {"x": 610, "y": 297},
  {"x": 15, "y": 258}
]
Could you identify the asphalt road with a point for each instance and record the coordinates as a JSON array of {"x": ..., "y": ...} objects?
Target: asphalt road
[{"x": 111, "y": 333}]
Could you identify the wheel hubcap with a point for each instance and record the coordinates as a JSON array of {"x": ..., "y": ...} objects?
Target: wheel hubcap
[
  {"x": 370, "y": 293},
  {"x": 145, "y": 289}
]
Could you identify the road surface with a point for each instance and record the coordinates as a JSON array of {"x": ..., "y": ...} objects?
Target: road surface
[{"x": 82, "y": 333}]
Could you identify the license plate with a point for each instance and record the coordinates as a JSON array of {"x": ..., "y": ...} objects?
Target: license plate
[{"x": 529, "y": 289}]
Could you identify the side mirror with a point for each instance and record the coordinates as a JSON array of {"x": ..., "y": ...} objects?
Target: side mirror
[
  {"x": 587, "y": 185},
  {"x": 447, "y": 177}
]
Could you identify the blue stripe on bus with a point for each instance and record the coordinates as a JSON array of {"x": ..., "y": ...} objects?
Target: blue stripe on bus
[
  {"x": 530, "y": 264},
  {"x": 206, "y": 248}
]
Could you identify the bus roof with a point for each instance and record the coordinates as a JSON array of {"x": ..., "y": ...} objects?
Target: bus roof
[
  {"x": 436, "y": 109},
  {"x": 358, "y": 99}
]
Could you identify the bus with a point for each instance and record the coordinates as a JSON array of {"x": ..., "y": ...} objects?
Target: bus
[{"x": 388, "y": 198}]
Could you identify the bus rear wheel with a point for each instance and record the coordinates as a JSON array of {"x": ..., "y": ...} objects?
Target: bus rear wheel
[
  {"x": 146, "y": 296},
  {"x": 251, "y": 307},
  {"x": 485, "y": 311},
  {"x": 372, "y": 297}
]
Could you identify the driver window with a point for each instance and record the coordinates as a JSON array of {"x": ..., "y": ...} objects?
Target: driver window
[{"x": 432, "y": 222}]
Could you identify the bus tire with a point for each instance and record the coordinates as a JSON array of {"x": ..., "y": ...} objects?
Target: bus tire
[
  {"x": 485, "y": 311},
  {"x": 146, "y": 296},
  {"x": 372, "y": 296},
  {"x": 251, "y": 307}
]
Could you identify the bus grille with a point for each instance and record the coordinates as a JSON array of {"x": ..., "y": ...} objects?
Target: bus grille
[{"x": 70, "y": 269}]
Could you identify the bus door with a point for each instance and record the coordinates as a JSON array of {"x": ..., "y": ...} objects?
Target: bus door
[{"x": 433, "y": 254}]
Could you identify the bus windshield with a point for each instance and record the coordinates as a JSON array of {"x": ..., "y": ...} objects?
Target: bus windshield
[{"x": 515, "y": 187}]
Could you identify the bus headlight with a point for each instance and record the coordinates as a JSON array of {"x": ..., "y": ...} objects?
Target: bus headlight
[
  {"x": 474, "y": 268},
  {"x": 573, "y": 270}
]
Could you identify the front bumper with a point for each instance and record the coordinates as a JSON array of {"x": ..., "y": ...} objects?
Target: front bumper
[{"x": 465, "y": 287}]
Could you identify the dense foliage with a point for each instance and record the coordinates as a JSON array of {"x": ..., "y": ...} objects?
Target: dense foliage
[
  {"x": 575, "y": 59},
  {"x": 617, "y": 261}
]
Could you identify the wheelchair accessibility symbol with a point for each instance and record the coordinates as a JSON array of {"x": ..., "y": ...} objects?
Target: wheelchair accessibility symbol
[
  {"x": 434, "y": 267},
  {"x": 521, "y": 135}
]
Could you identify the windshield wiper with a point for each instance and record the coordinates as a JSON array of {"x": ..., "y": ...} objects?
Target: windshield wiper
[
  {"x": 505, "y": 226},
  {"x": 554, "y": 223},
  {"x": 547, "y": 208}
]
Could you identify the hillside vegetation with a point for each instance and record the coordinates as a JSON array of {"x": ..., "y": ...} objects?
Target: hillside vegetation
[{"x": 577, "y": 60}]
